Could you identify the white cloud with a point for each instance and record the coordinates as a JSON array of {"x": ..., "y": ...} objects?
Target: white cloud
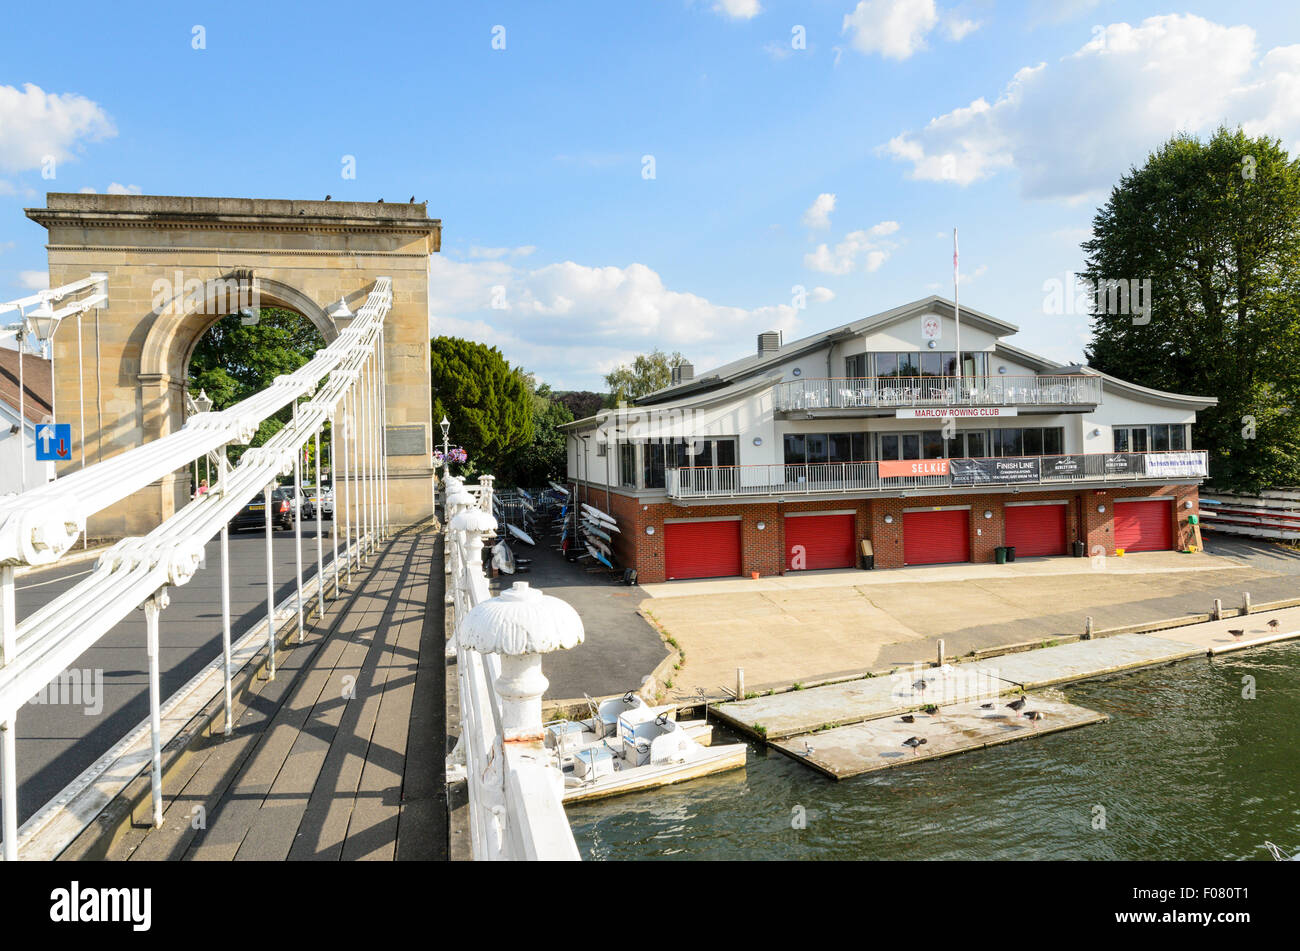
[
  {"x": 116, "y": 189},
  {"x": 35, "y": 124},
  {"x": 738, "y": 9},
  {"x": 523, "y": 250},
  {"x": 818, "y": 214},
  {"x": 1071, "y": 128},
  {"x": 898, "y": 28},
  {"x": 866, "y": 247},
  {"x": 34, "y": 280},
  {"x": 567, "y": 320},
  {"x": 823, "y": 295}
]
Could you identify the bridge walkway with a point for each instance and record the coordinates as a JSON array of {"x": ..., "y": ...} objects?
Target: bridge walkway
[{"x": 341, "y": 757}]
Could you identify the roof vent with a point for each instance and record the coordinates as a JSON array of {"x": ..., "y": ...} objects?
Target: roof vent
[
  {"x": 769, "y": 341},
  {"x": 683, "y": 372}
]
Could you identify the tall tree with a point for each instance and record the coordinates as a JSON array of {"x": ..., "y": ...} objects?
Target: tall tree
[
  {"x": 1215, "y": 226},
  {"x": 543, "y": 459},
  {"x": 235, "y": 360},
  {"x": 648, "y": 372},
  {"x": 582, "y": 403},
  {"x": 488, "y": 403}
]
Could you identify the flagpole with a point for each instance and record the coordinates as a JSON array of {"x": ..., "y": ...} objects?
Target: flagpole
[{"x": 956, "y": 310}]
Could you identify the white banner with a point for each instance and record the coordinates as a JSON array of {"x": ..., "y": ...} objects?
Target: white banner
[
  {"x": 955, "y": 412},
  {"x": 1175, "y": 464}
]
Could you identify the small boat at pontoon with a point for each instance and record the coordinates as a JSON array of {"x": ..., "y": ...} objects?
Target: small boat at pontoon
[{"x": 627, "y": 746}]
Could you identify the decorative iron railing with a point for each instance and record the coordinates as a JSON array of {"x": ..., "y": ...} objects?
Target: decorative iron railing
[{"x": 883, "y": 392}]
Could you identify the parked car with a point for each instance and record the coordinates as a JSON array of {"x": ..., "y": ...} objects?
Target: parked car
[
  {"x": 253, "y": 515},
  {"x": 324, "y": 498}
]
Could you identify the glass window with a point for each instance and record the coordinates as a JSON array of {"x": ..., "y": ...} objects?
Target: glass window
[
  {"x": 1138, "y": 436},
  {"x": 956, "y": 447},
  {"x": 653, "y": 473},
  {"x": 908, "y": 364},
  {"x": 794, "y": 450},
  {"x": 1032, "y": 442},
  {"x": 1053, "y": 441},
  {"x": 1160, "y": 438},
  {"x": 932, "y": 444},
  {"x": 841, "y": 447},
  {"x": 1178, "y": 437},
  {"x": 889, "y": 446},
  {"x": 1008, "y": 442},
  {"x": 886, "y": 364},
  {"x": 860, "y": 444},
  {"x": 931, "y": 364},
  {"x": 1121, "y": 439},
  {"x": 856, "y": 365},
  {"x": 627, "y": 465},
  {"x": 818, "y": 449},
  {"x": 911, "y": 446},
  {"x": 724, "y": 452},
  {"x": 975, "y": 445}
]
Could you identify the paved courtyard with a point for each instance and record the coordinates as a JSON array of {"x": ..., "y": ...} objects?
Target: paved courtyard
[{"x": 819, "y": 625}]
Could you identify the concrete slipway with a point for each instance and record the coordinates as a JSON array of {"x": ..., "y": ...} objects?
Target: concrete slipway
[{"x": 855, "y": 725}]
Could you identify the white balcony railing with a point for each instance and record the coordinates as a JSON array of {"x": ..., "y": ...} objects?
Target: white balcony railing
[
  {"x": 957, "y": 474},
  {"x": 516, "y": 789},
  {"x": 937, "y": 391}
]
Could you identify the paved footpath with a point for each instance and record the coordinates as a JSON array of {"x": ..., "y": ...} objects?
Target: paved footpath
[{"x": 341, "y": 756}]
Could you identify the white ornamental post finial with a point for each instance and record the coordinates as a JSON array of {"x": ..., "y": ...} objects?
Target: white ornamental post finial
[
  {"x": 521, "y": 625},
  {"x": 474, "y": 522}
]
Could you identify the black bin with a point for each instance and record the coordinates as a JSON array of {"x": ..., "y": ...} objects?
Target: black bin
[{"x": 1011, "y": 553}]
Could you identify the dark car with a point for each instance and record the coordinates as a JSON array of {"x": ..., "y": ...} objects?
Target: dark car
[{"x": 253, "y": 515}]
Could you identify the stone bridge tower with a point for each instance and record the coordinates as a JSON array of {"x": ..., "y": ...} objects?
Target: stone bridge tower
[{"x": 171, "y": 263}]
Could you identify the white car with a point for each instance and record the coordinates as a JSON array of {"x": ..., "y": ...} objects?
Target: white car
[{"x": 324, "y": 498}]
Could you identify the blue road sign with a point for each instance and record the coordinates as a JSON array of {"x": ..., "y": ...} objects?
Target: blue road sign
[{"x": 53, "y": 442}]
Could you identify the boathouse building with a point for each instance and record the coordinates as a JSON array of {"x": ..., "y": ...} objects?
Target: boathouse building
[{"x": 790, "y": 458}]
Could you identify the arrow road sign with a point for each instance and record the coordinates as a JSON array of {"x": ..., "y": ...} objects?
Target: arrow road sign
[{"x": 53, "y": 442}]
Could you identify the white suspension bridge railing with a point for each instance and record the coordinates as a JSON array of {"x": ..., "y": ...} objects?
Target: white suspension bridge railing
[
  {"x": 41, "y": 524},
  {"x": 516, "y": 788}
]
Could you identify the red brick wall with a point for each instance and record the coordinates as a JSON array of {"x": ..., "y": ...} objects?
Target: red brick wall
[{"x": 764, "y": 551}]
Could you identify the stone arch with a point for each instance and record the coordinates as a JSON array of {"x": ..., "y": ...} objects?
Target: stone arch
[{"x": 301, "y": 255}]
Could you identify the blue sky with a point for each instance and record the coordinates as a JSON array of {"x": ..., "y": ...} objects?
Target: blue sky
[{"x": 1007, "y": 120}]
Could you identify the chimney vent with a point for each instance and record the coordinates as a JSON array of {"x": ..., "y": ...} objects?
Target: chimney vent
[
  {"x": 683, "y": 373},
  {"x": 769, "y": 341}
]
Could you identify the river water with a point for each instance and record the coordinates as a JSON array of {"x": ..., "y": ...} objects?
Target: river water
[{"x": 1186, "y": 768}]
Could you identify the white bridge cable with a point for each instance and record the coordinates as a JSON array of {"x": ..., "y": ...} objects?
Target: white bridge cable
[
  {"x": 39, "y": 525},
  {"x": 138, "y": 570}
]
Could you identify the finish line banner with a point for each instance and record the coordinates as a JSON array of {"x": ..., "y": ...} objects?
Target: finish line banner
[{"x": 994, "y": 471}]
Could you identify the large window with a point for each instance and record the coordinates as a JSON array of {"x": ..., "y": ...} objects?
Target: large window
[
  {"x": 926, "y": 363},
  {"x": 677, "y": 454},
  {"x": 1029, "y": 441},
  {"x": 1157, "y": 437},
  {"x": 801, "y": 448},
  {"x": 627, "y": 465},
  {"x": 855, "y": 366}
]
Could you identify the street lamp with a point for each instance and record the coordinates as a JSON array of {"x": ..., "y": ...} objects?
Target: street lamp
[
  {"x": 446, "y": 428},
  {"x": 42, "y": 321},
  {"x": 203, "y": 402}
]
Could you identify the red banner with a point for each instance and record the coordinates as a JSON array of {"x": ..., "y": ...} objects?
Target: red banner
[{"x": 893, "y": 469}]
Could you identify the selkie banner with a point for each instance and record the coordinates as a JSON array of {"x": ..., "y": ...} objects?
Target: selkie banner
[{"x": 994, "y": 471}]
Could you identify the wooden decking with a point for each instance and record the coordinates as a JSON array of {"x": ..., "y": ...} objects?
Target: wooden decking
[{"x": 341, "y": 756}]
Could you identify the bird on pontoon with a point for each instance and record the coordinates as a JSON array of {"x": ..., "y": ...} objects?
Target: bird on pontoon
[
  {"x": 919, "y": 685},
  {"x": 914, "y": 742},
  {"x": 1017, "y": 704},
  {"x": 987, "y": 706},
  {"x": 1273, "y": 624},
  {"x": 1034, "y": 716},
  {"x": 1236, "y": 631},
  {"x": 908, "y": 718}
]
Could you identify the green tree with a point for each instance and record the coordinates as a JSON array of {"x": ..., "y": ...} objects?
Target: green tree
[
  {"x": 648, "y": 372},
  {"x": 234, "y": 360},
  {"x": 1215, "y": 226},
  {"x": 543, "y": 459},
  {"x": 488, "y": 403}
]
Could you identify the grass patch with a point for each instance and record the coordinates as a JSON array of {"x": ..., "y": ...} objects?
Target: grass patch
[{"x": 759, "y": 729}]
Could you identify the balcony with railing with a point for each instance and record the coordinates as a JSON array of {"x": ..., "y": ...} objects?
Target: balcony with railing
[
  {"x": 939, "y": 475},
  {"x": 1059, "y": 393}
]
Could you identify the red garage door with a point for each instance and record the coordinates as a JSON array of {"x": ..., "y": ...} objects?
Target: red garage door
[
  {"x": 702, "y": 549},
  {"x": 819, "y": 541},
  {"x": 1036, "y": 529},
  {"x": 1144, "y": 526},
  {"x": 933, "y": 538}
]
